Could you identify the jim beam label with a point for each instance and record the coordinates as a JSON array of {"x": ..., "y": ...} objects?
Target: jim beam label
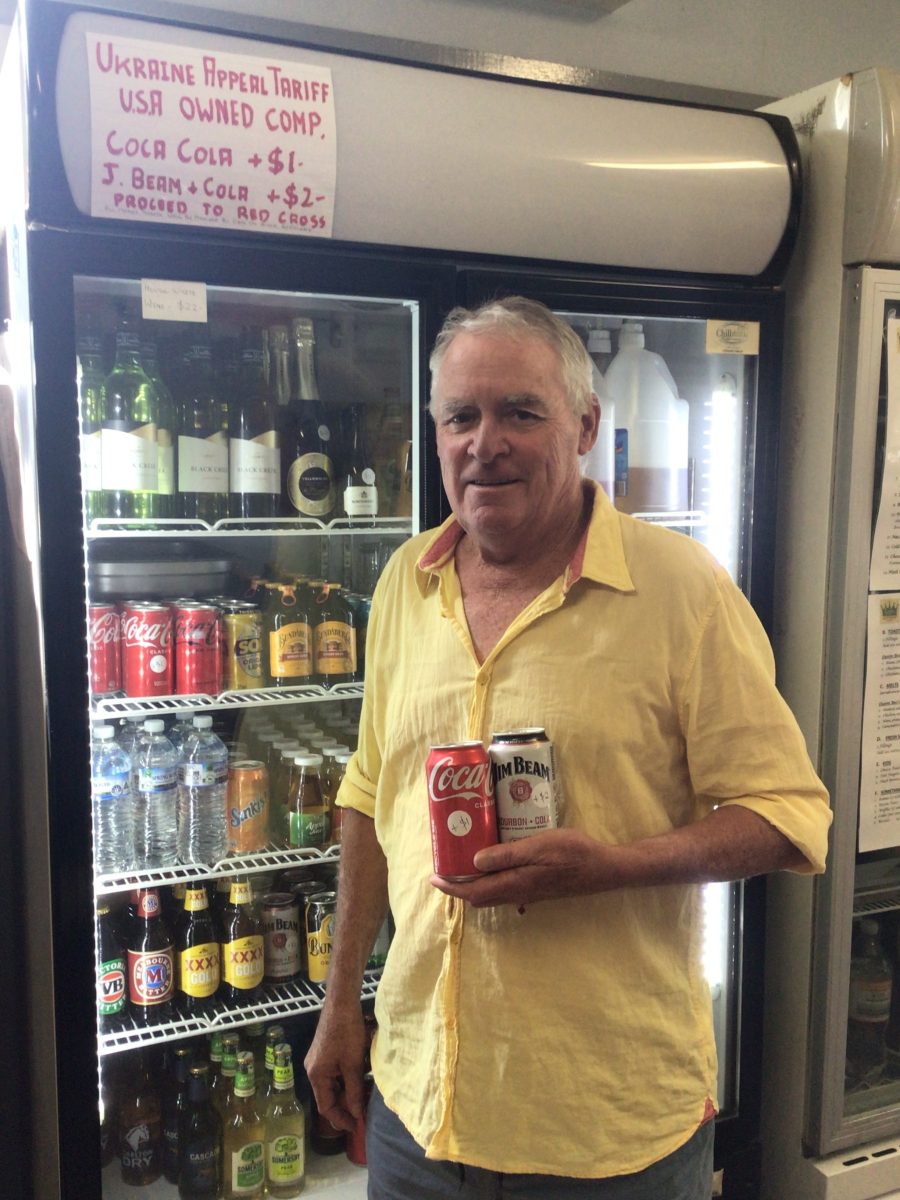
[{"x": 524, "y": 787}]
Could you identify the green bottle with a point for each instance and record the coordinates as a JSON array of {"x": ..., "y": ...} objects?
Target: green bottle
[{"x": 130, "y": 412}]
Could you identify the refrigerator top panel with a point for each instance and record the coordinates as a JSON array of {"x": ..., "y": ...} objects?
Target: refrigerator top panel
[{"x": 159, "y": 123}]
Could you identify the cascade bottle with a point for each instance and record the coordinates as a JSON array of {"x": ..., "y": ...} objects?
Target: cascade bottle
[
  {"x": 202, "y": 442},
  {"x": 112, "y": 986},
  {"x": 198, "y": 955},
  {"x": 128, "y": 440},
  {"x": 334, "y": 637},
  {"x": 360, "y": 496},
  {"x": 165, "y": 431},
  {"x": 140, "y": 1125},
  {"x": 200, "y": 1142},
  {"x": 288, "y": 636},
  {"x": 242, "y": 947},
  {"x": 285, "y": 1131},
  {"x": 90, "y": 376},
  {"x": 151, "y": 962},
  {"x": 173, "y": 1105},
  {"x": 244, "y": 1137},
  {"x": 309, "y": 479},
  {"x": 254, "y": 458}
]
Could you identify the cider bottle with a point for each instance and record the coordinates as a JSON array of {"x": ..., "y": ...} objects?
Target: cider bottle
[
  {"x": 140, "y": 1126},
  {"x": 244, "y": 1137},
  {"x": 285, "y": 1131},
  {"x": 222, "y": 1095}
]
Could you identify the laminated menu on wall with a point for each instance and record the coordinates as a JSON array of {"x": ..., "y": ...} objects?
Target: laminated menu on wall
[{"x": 885, "y": 569}]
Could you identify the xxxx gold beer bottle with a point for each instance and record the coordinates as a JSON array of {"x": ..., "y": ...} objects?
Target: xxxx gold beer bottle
[
  {"x": 242, "y": 947},
  {"x": 197, "y": 955}
]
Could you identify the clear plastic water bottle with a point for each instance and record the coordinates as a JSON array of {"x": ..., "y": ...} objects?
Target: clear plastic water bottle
[
  {"x": 130, "y": 733},
  {"x": 181, "y": 730},
  {"x": 202, "y": 782},
  {"x": 155, "y": 792},
  {"x": 111, "y": 798}
]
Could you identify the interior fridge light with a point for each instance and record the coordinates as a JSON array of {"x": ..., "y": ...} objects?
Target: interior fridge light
[
  {"x": 715, "y": 934},
  {"x": 720, "y": 477}
]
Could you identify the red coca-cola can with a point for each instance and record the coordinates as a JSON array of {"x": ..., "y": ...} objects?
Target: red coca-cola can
[
  {"x": 198, "y": 656},
  {"x": 104, "y": 631},
  {"x": 147, "y": 661},
  {"x": 461, "y": 807}
]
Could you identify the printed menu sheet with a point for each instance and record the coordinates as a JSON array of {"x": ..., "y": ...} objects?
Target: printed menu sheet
[
  {"x": 879, "y": 790},
  {"x": 204, "y": 137},
  {"x": 885, "y": 569}
]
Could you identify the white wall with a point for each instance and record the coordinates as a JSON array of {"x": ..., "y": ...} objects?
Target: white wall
[{"x": 765, "y": 47}]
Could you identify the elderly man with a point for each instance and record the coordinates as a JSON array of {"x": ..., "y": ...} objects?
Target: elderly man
[{"x": 545, "y": 1029}]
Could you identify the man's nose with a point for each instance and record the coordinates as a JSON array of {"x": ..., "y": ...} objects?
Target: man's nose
[{"x": 488, "y": 440}]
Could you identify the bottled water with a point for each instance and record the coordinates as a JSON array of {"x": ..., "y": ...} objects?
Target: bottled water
[
  {"x": 155, "y": 790},
  {"x": 202, "y": 781},
  {"x": 181, "y": 730},
  {"x": 130, "y": 733},
  {"x": 111, "y": 798}
]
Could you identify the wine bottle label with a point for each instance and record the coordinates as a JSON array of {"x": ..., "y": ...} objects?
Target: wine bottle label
[
  {"x": 310, "y": 485},
  {"x": 309, "y": 829},
  {"x": 129, "y": 457},
  {"x": 202, "y": 774},
  {"x": 248, "y": 1169},
  {"x": 284, "y": 1159},
  {"x": 243, "y": 962},
  {"x": 91, "y": 458},
  {"x": 361, "y": 501},
  {"x": 111, "y": 987},
  {"x": 156, "y": 779},
  {"x": 198, "y": 970},
  {"x": 165, "y": 451},
  {"x": 199, "y": 1166},
  {"x": 151, "y": 978},
  {"x": 335, "y": 646},
  {"x": 255, "y": 465},
  {"x": 203, "y": 463},
  {"x": 290, "y": 651}
]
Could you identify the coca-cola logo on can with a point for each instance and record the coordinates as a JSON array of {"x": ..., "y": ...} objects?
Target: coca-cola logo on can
[
  {"x": 145, "y": 632},
  {"x": 449, "y": 779},
  {"x": 105, "y": 628}
]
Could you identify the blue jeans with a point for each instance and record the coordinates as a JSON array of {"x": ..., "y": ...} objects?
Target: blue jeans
[{"x": 399, "y": 1170}]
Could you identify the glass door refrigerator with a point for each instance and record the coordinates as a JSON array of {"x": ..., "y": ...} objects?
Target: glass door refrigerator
[
  {"x": 832, "y": 1092},
  {"x": 228, "y": 254}
]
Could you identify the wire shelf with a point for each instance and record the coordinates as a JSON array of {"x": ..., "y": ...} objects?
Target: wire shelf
[
  {"x": 167, "y": 527},
  {"x": 104, "y": 707},
  {"x": 249, "y": 864}
]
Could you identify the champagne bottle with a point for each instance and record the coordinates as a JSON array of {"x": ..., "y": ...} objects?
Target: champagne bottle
[
  {"x": 128, "y": 446},
  {"x": 360, "y": 490},
  {"x": 202, "y": 442},
  {"x": 254, "y": 454},
  {"x": 310, "y": 479}
]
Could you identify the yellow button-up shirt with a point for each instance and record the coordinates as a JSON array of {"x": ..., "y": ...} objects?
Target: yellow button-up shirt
[{"x": 574, "y": 1038}]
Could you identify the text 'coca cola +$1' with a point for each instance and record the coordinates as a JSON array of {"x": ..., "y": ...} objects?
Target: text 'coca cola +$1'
[{"x": 461, "y": 807}]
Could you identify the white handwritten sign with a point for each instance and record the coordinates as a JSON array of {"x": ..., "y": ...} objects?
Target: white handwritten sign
[
  {"x": 173, "y": 300},
  {"x": 184, "y": 136}
]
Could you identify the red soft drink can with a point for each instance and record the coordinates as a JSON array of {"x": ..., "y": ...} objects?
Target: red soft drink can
[
  {"x": 104, "y": 632},
  {"x": 198, "y": 656},
  {"x": 461, "y": 807},
  {"x": 147, "y": 661}
]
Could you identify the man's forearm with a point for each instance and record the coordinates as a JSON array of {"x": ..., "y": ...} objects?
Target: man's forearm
[{"x": 361, "y": 909}]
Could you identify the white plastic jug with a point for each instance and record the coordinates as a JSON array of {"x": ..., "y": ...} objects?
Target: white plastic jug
[
  {"x": 651, "y": 469},
  {"x": 599, "y": 462}
]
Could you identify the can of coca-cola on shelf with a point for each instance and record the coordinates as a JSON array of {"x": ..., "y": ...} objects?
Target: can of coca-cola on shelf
[
  {"x": 461, "y": 807},
  {"x": 198, "y": 656},
  {"x": 147, "y": 661},
  {"x": 104, "y": 633}
]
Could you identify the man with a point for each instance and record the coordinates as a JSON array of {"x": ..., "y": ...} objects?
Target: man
[{"x": 544, "y": 1030}]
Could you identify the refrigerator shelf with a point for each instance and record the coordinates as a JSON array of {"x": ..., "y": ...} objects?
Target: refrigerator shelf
[
  {"x": 886, "y": 899},
  {"x": 280, "y": 1000},
  {"x": 166, "y": 527},
  {"x": 155, "y": 706},
  {"x": 686, "y": 519},
  {"x": 247, "y": 864}
]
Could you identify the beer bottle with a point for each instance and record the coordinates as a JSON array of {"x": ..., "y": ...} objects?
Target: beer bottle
[
  {"x": 173, "y": 1104},
  {"x": 255, "y": 1042},
  {"x": 285, "y": 1131},
  {"x": 215, "y": 1060},
  {"x": 222, "y": 1087},
  {"x": 360, "y": 490},
  {"x": 202, "y": 443},
  {"x": 334, "y": 637},
  {"x": 340, "y": 770},
  {"x": 165, "y": 431},
  {"x": 242, "y": 947},
  {"x": 128, "y": 446},
  {"x": 274, "y": 1035},
  {"x": 140, "y": 1127},
  {"x": 200, "y": 1161},
  {"x": 90, "y": 402},
  {"x": 220, "y": 903},
  {"x": 254, "y": 456},
  {"x": 288, "y": 637},
  {"x": 244, "y": 1137},
  {"x": 108, "y": 1115},
  {"x": 310, "y": 478},
  {"x": 112, "y": 989},
  {"x": 151, "y": 962},
  {"x": 198, "y": 954},
  {"x": 308, "y": 813}
]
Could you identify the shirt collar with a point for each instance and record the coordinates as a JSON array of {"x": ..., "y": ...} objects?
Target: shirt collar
[{"x": 599, "y": 556}]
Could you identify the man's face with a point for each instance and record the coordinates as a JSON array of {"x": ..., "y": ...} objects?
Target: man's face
[{"x": 507, "y": 438}]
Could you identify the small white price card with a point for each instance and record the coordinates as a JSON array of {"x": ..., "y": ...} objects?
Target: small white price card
[
  {"x": 173, "y": 300},
  {"x": 189, "y": 136}
]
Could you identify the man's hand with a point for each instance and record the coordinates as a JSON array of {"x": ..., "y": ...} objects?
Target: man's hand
[
  {"x": 562, "y": 862},
  {"x": 335, "y": 1065}
]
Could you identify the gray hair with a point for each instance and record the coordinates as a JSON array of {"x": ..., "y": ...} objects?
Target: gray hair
[{"x": 519, "y": 317}]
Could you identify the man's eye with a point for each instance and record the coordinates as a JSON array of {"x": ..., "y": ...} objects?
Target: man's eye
[
  {"x": 459, "y": 418},
  {"x": 525, "y": 415}
]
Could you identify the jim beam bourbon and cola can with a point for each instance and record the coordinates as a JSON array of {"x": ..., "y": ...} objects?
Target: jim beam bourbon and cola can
[
  {"x": 525, "y": 783},
  {"x": 461, "y": 807}
]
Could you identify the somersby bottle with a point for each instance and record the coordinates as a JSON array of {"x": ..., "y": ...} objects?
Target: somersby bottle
[
  {"x": 285, "y": 1131},
  {"x": 244, "y": 1137}
]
